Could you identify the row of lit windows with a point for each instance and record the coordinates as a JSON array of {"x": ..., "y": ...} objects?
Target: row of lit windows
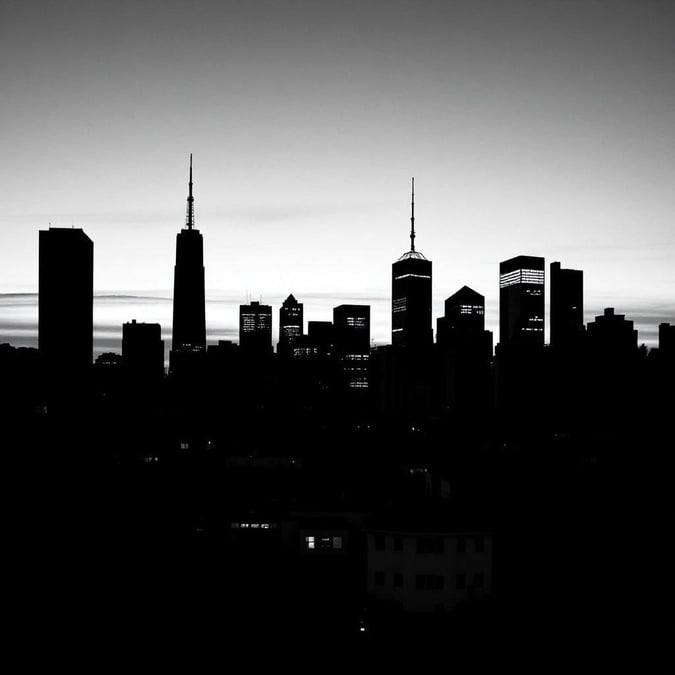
[
  {"x": 415, "y": 276},
  {"x": 431, "y": 582},
  {"x": 323, "y": 543},
  {"x": 398, "y": 305},
  {"x": 521, "y": 277},
  {"x": 357, "y": 321},
  {"x": 432, "y": 544},
  {"x": 254, "y": 526},
  {"x": 471, "y": 309}
]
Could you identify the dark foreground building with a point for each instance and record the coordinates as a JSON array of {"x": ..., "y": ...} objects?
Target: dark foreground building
[
  {"x": 567, "y": 305},
  {"x": 66, "y": 299}
]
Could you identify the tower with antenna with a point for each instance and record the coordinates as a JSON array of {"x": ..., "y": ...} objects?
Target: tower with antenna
[
  {"x": 411, "y": 294},
  {"x": 189, "y": 313}
]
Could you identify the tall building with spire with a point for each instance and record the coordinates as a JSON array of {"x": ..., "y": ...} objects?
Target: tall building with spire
[
  {"x": 411, "y": 295},
  {"x": 189, "y": 315}
]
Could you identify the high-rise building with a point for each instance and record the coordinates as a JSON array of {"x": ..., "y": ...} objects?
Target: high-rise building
[
  {"x": 666, "y": 339},
  {"x": 351, "y": 325},
  {"x": 612, "y": 335},
  {"x": 189, "y": 315},
  {"x": 66, "y": 299},
  {"x": 567, "y": 305},
  {"x": 143, "y": 351},
  {"x": 411, "y": 295},
  {"x": 464, "y": 313},
  {"x": 255, "y": 328},
  {"x": 290, "y": 325},
  {"x": 464, "y": 353},
  {"x": 521, "y": 301}
]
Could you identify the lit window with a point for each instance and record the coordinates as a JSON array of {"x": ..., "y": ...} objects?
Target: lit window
[
  {"x": 337, "y": 542},
  {"x": 310, "y": 542}
]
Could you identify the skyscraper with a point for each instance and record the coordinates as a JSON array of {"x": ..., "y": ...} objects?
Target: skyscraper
[
  {"x": 189, "y": 316},
  {"x": 464, "y": 314},
  {"x": 567, "y": 304},
  {"x": 521, "y": 301},
  {"x": 255, "y": 328},
  {"x": 290, "y": 325},
  {"x": 411, "y": 295},
  {"x": 351, "y": 324},
  {"x": 143, "y": 351},
  {"x": 66, "y": 299}
]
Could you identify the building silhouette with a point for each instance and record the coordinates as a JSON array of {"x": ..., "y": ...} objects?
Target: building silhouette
[
  {"x": 351, "y": 325},
  {"x": 411, "y": 295},
  {"x": 667, "y": 339},
  {"x": 567, "y": 305},
  {"x": 521, "y": 301},
  {"x": 189, "y": 314},
  {"x": 66, "y": 299},
  {"x": 290, "y": 325},
  {"x": 143, "y": 351},
  {"x": 255, "y": 328},
  {"x": 611, "y": 335},
  {"x": 464, "y": 353}
]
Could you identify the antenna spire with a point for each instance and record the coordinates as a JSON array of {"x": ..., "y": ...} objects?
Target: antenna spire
[
  {"x": 412, "y": 218},
  {"x": 190, "y": 218}
]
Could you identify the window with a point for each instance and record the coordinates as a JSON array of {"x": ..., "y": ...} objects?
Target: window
[
  {"x": 430, "y": 545},
  {"x": 460, "y": 582},
  {"x": 398, "y": 543},
  {"x": 379, "y": 578},
  {"x": 480, "y": 544},
  {"x": 379, "y": 542},
  {"x": 310, "y": 542},
  {"x": 337, "y": 542},
  {"x": 429, "y": 582},
  {"x": 398, "y": 580}
]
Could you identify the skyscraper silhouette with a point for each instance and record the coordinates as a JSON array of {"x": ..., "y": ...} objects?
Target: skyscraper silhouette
[
  {"x": 352, "y": 343},
  {"x": 255, "y": 328},
  {"x": 66, "y": 299},
  {"x": 290, "y": 325},
  {"x": 521, "y": 301},
  {"x": 189, "y": 316},
  {"x": 567, "y": 305},
  {"x": 411, "y": 295}
]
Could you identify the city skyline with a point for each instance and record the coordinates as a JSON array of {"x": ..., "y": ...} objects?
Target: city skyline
[{"x": 530, "y": 131}]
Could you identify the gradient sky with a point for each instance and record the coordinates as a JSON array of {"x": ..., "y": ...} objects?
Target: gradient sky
[{"x": 532, "y": 127}]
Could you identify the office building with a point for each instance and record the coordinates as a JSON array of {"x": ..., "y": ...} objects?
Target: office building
[
  {"x": 290, "y": 325},
  {"x": 143, "y": 351},
  {"x": 189, "y": 314},
  {"x": 567, "y": 305},
  {"x": 411, "y": 295},
  {"x": 612, "y": 335},
  {"x": 521, "y": 301},
  {"x": 351, "y": 326},
  {"x": 66, "y": 299},
  {"x": 255, "y": 328}
]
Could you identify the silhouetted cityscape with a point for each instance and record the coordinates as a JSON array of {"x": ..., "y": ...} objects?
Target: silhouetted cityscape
[{"x": 450, "y": 492}]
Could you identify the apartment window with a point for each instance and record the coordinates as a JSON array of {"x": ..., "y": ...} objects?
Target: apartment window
[
  {"x": 398, "y": 580},
  {"x": 429, "y": 582},
  {"x": 398, "y": 543},
  {"x": 430, "y": 545},
  {"x": 310, "y": 542},
  {"x": 379, "y": 578},
  {"x": 379, "y": 542},
  {"x": 337, "y": 542},
  {"x": 460, "y": 581}
]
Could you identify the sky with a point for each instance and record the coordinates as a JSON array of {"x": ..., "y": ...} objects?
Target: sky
[{"x": 535, "y": 127}]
